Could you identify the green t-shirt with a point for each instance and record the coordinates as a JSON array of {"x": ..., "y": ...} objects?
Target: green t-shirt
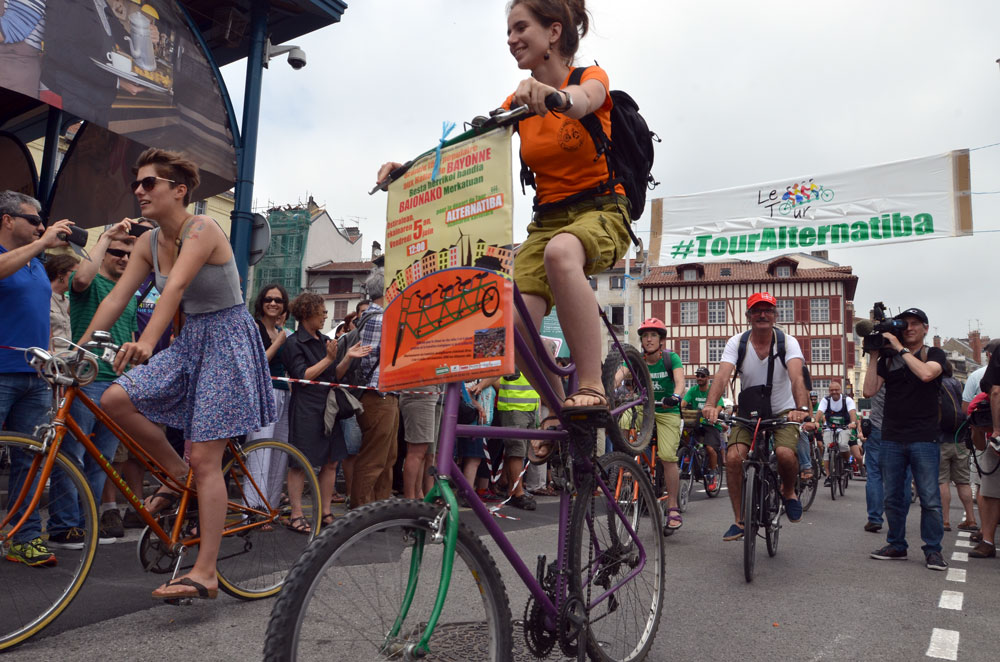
[
  {"x": 697, "y": 398},
  {"x": 663, "y": 381},
  {"x": 83, "y": 305}
]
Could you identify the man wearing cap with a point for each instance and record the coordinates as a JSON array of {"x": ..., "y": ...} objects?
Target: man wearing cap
[
  {"x": 695, "y": 398},
  {"x": 788, "y": 397},
  {"x": 911, "y": 373}
]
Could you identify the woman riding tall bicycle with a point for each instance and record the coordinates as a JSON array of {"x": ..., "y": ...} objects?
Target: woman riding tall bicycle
[
  {"x": 569, "y": 238},
  {"x": 213, "y": 381}
]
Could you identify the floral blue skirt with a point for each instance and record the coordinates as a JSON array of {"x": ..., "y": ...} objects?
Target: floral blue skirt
[{"x": 213, "y": 382}]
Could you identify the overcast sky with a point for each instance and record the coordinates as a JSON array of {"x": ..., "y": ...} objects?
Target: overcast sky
[{"x": 740, "y": 93}]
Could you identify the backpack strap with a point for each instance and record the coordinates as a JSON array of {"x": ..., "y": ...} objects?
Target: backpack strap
[
  {"x": 781, "y": 347},
  {"x": 741, "y": 352}
]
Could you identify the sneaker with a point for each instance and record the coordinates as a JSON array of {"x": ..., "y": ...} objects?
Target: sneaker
[
  {"x": 711, "y": 479},
  {"x": 69, "y": 539},
  {"x": 983, "y": 550},
  {"x": 524, "y": 502},
  {"x": 104, "y": 537},
  {"x": 936, "y": 562},
  {"x": 873, "y": 527},
  {"x": 487, "y": 496},
  {"x": 111, "y": 523},
  {"x": 131, "y": 520},
  {"x": 793, "y": 509},
  {"x": 826, "y": 483},
  {"x": 32, "y": 553},
  {"x": 889, "y": 553},
  {"x": 734, "y": 532}
]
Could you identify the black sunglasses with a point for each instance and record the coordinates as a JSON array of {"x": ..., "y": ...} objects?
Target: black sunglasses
[
  {"x": 273, "y": 300},
  {"x": 117, "y": 252},
  {"x": 31, "y": 218},
  {"x": 149, "y": 183}
]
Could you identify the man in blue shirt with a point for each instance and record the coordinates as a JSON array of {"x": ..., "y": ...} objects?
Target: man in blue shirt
[{"x": 24, "y": 396}]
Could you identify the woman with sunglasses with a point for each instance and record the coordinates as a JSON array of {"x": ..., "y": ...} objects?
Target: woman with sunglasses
[{"x": 213, "y": 381}]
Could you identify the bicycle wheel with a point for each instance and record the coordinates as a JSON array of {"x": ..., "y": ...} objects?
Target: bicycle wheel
[
  {"x": 807, "y": 491},
  {"x": 834, "y": 475},
  {"x": 32, "y": 597},
  {"x": 253, "y": 563},
  {"x": 686, "y": 470},
  {"x": 630, "y": 426},
  {"x": 344, "y": 594},
  {"x": 750, "y": 508},
  {"x": 622, "y": 625},
  {"x": 773, "y": 511},
  {"x": 846, "y": 476}
]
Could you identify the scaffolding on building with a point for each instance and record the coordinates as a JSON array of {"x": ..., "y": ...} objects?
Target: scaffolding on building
[{"x": 283, "y": 262}]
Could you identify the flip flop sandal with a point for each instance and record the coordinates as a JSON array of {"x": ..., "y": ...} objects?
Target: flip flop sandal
[
  {"x": 337, "y": 498},
  {"x": 539, "y": 450},
  {"x": 299, "y": 525},
  {"x": 675, "y": 516},
  {"x": 327, "y": 519},
  {"x": 170, "y": 497},
  {"x": 586, "y": 390},
  {"x": 199, "y": 592},
  {"x": 968, "y": 526}
]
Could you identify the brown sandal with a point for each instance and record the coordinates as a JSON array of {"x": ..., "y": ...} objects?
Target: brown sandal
[
  {"x": 586, "y": 390},
  {"x": 539, "y": 450}
]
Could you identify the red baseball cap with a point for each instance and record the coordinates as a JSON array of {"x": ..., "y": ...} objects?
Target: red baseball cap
[{"x": 761, "y": 297}]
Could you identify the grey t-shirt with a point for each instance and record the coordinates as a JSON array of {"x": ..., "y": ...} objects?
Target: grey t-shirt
[{"x": 878, "y": 404}]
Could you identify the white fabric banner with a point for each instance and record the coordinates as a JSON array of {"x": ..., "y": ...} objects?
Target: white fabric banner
[{"x": 925, "y": 198}]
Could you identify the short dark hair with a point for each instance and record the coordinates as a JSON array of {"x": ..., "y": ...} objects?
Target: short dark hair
[
  {"x": 363, "y": 302},
  {"x": 306, "y": 305},
  {"x": 171, "y": 165},
  {"x": 58, "y": 265},
  {"x": 258, "y": 304}
]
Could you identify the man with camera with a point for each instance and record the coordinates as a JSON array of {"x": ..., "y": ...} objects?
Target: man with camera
[
  {"x": 773, "y": 384},
  {"x": 911, "y": 373}
]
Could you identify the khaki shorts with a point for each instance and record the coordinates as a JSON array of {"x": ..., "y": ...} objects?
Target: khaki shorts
[
  {"x": 668, "y": 435},
  {"x": 785, "y": 436},
  {"x": 421, "y": 418},
  {"x": 599, "y": 226},
  {"x": 954, "y": 464}
]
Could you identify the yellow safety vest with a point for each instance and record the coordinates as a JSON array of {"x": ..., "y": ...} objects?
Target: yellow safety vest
[{"x": 516, "y": 395}]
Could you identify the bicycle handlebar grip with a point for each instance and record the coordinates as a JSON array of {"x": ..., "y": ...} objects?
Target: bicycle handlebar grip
[
  {"x": 670, "y": 401},
  {"x": 553, "y": 100}
]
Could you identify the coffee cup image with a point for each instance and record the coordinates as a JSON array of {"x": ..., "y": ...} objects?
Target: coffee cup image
[{"x": 120, "y": 61}]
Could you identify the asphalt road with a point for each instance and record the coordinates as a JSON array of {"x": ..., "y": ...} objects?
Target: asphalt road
[{"x": 820, "y": 598}]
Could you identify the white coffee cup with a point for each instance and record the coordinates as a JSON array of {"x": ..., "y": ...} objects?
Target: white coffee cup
[{"x": 119, "y": 61}]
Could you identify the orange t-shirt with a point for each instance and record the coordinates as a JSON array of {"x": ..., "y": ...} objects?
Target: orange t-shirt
[{"x": 560, "y": 151}]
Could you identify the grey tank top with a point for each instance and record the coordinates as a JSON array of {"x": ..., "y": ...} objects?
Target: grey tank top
[{"x": 215, "y": 287}]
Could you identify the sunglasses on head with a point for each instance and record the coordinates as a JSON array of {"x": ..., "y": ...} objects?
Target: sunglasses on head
[
  {"x": 117, "y": 252},
  {"x": 273, "y": 300},
  {"x": 34, "y": 219},
  {"x": 149, "y": 183}
]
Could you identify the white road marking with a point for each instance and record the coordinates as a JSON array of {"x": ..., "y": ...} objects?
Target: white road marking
[
  {"x": 964, "y": 534},
  {"x": 959, "y": 556},
  {"x": 951, "y": 600},
  {"x": 956, "y": 575},
  {"x": 963, "y": 543},
  {"x": 944, "y": 644}
]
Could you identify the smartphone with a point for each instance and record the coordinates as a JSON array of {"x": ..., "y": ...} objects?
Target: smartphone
[
  {"x": 76, "y": 235},
  {"x": 136, "y": 230}
]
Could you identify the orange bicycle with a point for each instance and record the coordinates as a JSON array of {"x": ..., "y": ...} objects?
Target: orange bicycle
[{"x": 256, "y": 553}]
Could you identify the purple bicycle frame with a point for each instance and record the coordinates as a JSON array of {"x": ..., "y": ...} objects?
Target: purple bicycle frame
[{"x": 450, "y": 430}]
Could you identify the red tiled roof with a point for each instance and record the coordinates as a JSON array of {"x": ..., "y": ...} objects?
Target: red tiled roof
[
  {"x": 333, "y": 267},
  {"x": 743, "y": 272}
]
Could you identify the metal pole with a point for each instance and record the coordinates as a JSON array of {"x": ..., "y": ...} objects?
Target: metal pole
[
  {"x": 242, "y": 216},
  {"x": 50, "y": 152}
]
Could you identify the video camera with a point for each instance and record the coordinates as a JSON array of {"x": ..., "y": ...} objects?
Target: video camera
[{"x": 871, "y": 330}]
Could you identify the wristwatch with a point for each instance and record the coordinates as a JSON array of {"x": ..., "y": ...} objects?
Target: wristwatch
[
  {"x": 905, "y": 350},
  {"x": 804, "y": 408},
  {"x": 569, "y": 102}
]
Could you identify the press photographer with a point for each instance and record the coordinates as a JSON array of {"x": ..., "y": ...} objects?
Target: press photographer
[
  {"x": 871, "y": 331},
  {"x": 911, "y": 373}
]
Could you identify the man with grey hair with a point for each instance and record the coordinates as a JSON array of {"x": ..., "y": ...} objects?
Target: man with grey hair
[
  {"x": 24, "y": 396},
  {"x": 380, "y": 420}
]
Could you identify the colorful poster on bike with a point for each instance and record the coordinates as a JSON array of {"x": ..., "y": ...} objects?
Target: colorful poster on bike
[
  {"x": 925, "y": 198},
  {"x": 448, "y": 264}
]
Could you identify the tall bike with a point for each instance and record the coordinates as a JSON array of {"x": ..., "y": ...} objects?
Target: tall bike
[
  {"x": 256, "y": 550},
  {"x": 762, "y": 504},
  {"x": 406, "y": 580}
]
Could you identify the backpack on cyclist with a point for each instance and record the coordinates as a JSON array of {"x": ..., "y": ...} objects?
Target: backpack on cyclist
[
  {"x": 755, "y": 401},
  {"x": 629, "y": 154},
  {"x": 741, "y": 351}
]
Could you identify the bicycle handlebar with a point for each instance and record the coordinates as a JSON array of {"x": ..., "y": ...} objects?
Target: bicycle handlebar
[
  {"x": 497, "y": 118},
  {"x": 764, "y": 422},
  {"x": 73, "y": 366}
]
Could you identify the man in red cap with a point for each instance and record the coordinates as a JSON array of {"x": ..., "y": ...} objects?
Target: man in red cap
[{"x": 788, "y": 396}]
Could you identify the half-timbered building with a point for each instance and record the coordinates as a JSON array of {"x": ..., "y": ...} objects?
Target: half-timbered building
[{"x": 704, "y": 304}]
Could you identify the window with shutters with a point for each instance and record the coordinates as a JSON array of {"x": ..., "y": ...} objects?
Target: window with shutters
[
  {"x": 820, "y": 350},
  {"x": 786, "y": 311},
  {"x": 617, "y": 283},
  {"x": 716, "y": 312},
  {"x": 340, "y": 309},
  {"x": 689, "y": 312},
  {"x": 685, "y": 352},
  {"x": 340, "y": 285},
  {"x": 819, "y": 310},
  {"x": 715, "y": 347},
  {"x": 690, "y": 274}
]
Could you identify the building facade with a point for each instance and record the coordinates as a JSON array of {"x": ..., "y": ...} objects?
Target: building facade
[{"x": 704, "y": 304}]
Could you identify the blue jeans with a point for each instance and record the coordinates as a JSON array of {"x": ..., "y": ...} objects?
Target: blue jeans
[
  {"x": 64, "y": 504},
  {"x": 874, "y": 494},
  {"x": 25, "y": 399},
  {"x": 923, "y": 457},
  {"x": 805, "y": 457}
]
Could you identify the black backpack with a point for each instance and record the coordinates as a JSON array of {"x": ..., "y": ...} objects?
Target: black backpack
[
  {"x": 629, "y": 153},
  {"x": 951, "y": 415},
  {"x": 741, "y": 351},
  {"x": 353, "y": 375}
]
